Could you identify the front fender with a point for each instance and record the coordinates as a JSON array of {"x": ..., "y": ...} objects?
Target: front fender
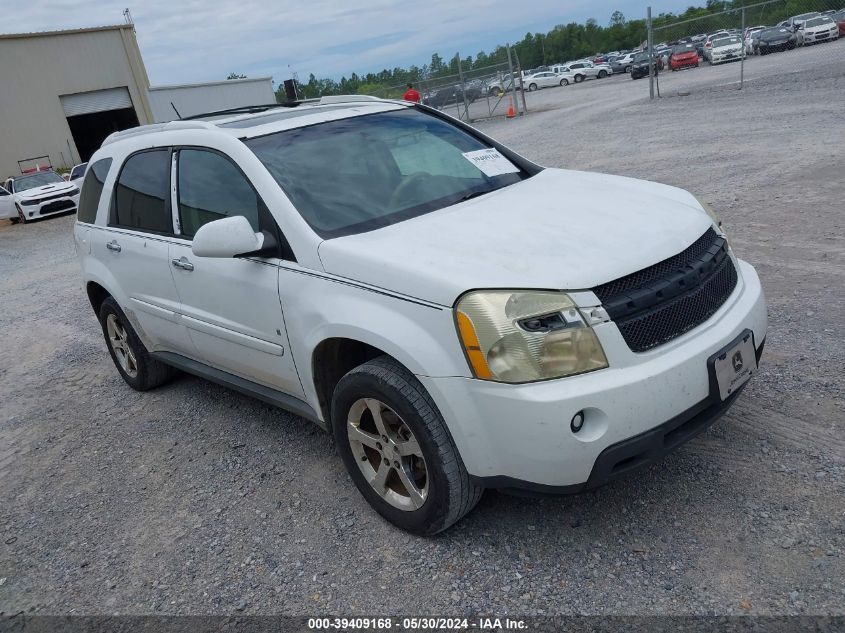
[{"x": 420, "y": 335}]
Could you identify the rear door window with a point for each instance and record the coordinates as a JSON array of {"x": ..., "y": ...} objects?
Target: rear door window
[{"x": 142, "y": 193}]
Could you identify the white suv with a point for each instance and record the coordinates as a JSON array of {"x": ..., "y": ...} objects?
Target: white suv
[{"x": 457, "y": 316}]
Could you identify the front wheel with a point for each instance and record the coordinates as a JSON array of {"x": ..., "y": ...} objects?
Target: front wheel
[
  {"x": 21, "y": 216},
  {"x": 397, "y": 449}
]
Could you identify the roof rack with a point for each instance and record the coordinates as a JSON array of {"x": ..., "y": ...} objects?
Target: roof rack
[
  {"x": 157, "y": 127},
  {"x": 349, "y": 99},
  {"x": 250, "y": 109}
]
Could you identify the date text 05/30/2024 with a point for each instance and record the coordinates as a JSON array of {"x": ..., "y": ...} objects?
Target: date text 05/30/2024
[{"x": 416, "y": 624}]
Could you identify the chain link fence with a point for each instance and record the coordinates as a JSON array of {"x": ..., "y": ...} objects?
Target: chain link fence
[
  {"x": 471, "y": 94},
  {"x": 739, "y": 36}
]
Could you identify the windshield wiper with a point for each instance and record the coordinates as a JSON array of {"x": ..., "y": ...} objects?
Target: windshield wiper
[{"x": 475, "y": 194}]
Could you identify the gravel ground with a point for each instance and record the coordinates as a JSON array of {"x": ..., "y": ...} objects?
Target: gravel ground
[{"x": 194, "y": 499}]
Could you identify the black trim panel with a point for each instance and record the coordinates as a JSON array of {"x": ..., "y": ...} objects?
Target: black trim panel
[{"x": 242, "y": 385}]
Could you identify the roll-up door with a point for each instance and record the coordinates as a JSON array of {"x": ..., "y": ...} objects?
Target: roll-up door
[{"x": 96, "y": 101}]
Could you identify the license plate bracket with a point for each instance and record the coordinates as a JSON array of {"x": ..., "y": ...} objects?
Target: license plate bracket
[{"x": 732, "y": 366}]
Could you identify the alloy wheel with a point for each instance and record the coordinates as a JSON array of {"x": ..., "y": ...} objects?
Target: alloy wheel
[
  {"x": 119, "y": 342},
  {"x": 388, "y": 454}
]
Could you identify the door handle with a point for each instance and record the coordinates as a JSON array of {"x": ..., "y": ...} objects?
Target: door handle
[
  {"x": 182, "y": 263},
  {"x": 113, "y": 246}
]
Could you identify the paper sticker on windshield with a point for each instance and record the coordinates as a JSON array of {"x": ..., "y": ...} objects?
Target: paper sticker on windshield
[{"x": 491, "y": 162}]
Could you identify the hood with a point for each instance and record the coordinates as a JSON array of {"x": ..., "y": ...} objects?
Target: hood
[
  {"x": 560, "y": 229},
  {"x": 45, "y": 190}
]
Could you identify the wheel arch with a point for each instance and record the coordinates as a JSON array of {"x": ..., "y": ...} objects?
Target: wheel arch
[
  {"x": 332, "y": 359},
  {"x": 97, "y": 294}
]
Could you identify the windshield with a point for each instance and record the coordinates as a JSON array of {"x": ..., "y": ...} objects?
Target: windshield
[
  {"x": 818, "y": 22},
  {"x": 775, "y": 33},
  {"x": 36, "y": 180},
  {"x": 367, "y": 172},
  {"x": 725, "y": 41},
  {"x": 683, "y": 48},
  {"x": 640, "y": 57}
]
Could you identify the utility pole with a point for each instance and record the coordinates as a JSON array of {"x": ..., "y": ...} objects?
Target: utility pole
[
  {"x": 651, "y": 68},
  {"x": 742, "y": 59},
  {"x": 513, "y": 81}
]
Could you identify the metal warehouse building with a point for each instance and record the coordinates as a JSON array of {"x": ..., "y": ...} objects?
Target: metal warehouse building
[
  {"x": 63, "y": 92},
  {"x": 191, "y": 99}
]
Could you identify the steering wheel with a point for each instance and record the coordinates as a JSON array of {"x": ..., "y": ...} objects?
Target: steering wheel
[{"x": 405, "y": 186}]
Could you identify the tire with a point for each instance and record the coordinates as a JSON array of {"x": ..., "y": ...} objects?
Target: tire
[
  {"x": 564, "y": 82},
  {"x": 627, "y": 69},
  {"x": 21, "y": 217},
  {"x": 602, "y": 74},
  {"x": 532, "y": 87},
  {"x": 134, "y": 363},
  {"x": 579, "y": 79},
  {"x": 445, "y": 494}
]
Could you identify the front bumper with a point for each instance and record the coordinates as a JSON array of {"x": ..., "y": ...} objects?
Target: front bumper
[
  {"x": 520, "y": 436},
  {"x": 51, "y": 207}
]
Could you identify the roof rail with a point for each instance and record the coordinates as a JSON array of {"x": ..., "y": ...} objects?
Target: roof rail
[
  {"x": 157, "y": 127},
  {"x": 249, "y": 109},
  {"x": 349, "y": 99}
]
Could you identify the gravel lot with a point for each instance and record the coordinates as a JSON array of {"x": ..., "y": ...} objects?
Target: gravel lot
[{"x": 194, "y": 499}]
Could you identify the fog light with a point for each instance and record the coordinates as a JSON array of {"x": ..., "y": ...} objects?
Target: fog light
[{"x": 577, "y": 422}]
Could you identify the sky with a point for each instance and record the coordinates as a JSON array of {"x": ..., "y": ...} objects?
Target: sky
[{"x": 205, "y": 40}]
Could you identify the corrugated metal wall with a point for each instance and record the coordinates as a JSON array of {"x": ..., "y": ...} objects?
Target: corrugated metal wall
[
  {"x": 191, "y": 99},
  {"x": 35, "y": 71}
]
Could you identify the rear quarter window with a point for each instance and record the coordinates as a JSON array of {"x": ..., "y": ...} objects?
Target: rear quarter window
[{"x": 92, "y": 190}]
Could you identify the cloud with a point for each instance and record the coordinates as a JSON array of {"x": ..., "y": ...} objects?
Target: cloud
[{"x": 205, "y": 40}]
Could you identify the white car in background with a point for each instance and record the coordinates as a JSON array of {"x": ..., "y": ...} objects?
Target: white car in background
[
  {"x": 37, "y": 195},
  {"x": 546, "y": 79},
  {"x": 749, "y": 38},
  {"x": 583, "y": 70},
  {"x": 708, "y": 42},
  {"x": 77, "y": 174},
  {"x": 819, "y": 29},
  {"x": 727, "y": 49}
]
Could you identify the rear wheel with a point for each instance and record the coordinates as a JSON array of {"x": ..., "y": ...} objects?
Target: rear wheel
[
  {"x": 602, "y": 74},
  {"x": 134, "y": 363},
  {"x": 564, "y": 82},
  {"x": 397, "y": 449},
  {"x": 532, "y": 87},
  {"x": 579, "y": 79},
  {"x": 627, "y": 69}
]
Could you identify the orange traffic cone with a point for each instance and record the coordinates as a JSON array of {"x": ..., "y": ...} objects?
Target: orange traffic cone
[{"x": 511, "y": 113}]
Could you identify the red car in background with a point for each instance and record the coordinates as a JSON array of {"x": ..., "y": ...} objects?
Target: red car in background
[
  {"x": 684, "y": 56},
  {"x": 839, "y": 18}
]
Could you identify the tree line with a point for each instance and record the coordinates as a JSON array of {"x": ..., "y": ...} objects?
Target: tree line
[{"x": 562, "y": 43}]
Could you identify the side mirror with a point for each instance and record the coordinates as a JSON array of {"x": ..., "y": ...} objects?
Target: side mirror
[{"x": 228, "y": 237}]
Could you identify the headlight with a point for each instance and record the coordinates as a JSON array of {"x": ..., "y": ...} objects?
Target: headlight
[
  {"x": 29, "y": 203},
  {"x": 713, "y": 216},
  {"x": 523, "y": 336}
]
